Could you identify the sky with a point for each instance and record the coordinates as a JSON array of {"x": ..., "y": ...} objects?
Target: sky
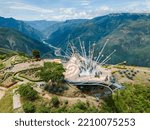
[{"x": 60, "y": 10}]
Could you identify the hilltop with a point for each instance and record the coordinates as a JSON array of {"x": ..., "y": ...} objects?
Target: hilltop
[{"x": 19, "y": 72}]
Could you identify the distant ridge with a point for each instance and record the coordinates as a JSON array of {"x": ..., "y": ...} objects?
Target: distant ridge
[
  {"x": 21, "y": 27},
  {"x": 14, "y": 40},
  {"x": 128, "y": 34}
]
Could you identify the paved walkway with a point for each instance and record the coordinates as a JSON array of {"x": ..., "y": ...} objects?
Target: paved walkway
[
  {"x": 16, "y": 100},
  {"x": 28, "y": 65},
  {"x": 2, "y": 93}
]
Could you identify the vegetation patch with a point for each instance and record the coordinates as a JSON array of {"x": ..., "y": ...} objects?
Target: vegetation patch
[
  {"x": 1, "y": 66},
  {"x": 43, "y": 109},
  {"x": 29, "y": 107},
  {"x": 81, "y": 107},
  {"x": 55, "y": 101},
  {"x": 27, "y": 92},
  {"x": 52, "y": 73},
  {"x": 56, "y": 89},
  {"x": 30, "y": 79},
  {"x": 6, "y": 103},
  {"x": 19, "y": 59},
  {"x": 135, "y": 98},
  {"x": 6, "y": 53}
]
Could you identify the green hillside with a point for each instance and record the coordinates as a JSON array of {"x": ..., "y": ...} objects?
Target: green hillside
[
  {"x": 21, "y": 27},
  {"x": 128, "y": 34},
  {"x": 13, "y": 40},
  {"x": 132, "y": 42}
]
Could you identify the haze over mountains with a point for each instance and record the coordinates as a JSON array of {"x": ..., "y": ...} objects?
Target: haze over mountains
[
  {"x": 128, "y": 33},
  {"x": 48, "y": 27}
]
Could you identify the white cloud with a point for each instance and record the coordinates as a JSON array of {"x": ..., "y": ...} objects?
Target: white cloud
[
  {"x": 137, "y": 7},
  {"x": 23, "y": 6},
  {"x": 85, "y": 2},
  {"x": 104, "y": 8},
  {"x": 24, "y": 11}
]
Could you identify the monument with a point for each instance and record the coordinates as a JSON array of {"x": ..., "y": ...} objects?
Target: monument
[{"x": 84, "y": 69}]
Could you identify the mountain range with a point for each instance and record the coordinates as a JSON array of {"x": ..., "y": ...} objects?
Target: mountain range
[
  {"x": 128, "y": 34},
  {"x": 14, "y": 40},
  {"x": 21, "y": 27},
  {"x": 48, "y": 27}
]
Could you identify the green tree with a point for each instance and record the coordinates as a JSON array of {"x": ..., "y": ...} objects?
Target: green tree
[
  {"x": 55, "y": 101},
  {"x": 36, "y": 54},
  {"x": 28, "y": 107},
  {"x": 27, "y": 92},
  {"x": 1, "y": 66},
  {"x": 43, "y": 109},
  {"x": 52, "y": 72}
]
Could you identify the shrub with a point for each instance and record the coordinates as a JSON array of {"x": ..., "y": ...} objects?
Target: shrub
[
  {"x": 113, "y": 72},
  {"x": 1, "y": 66},
  {"x": 121, "y": 72},
  {"x": 66, "y": 102},
  {"x": 80, "y": 105},
  {"x": 28, "y": 107},
  {"x": 2, "y": 57},
  {"x": 27, "y": 92},
  {"x": 56, "y": 89},
  {"x": 129, "y": 73},
  {"x": 130, "y": 77},
  {"x": 55, "y": 101},
  {"x": 52, "y": 72},
  {"x": 60, "y": 110},
  {"x": 36, "y": 54},
  {"x": 43, "y": 109},
  {"x": 65, "y": 87}
]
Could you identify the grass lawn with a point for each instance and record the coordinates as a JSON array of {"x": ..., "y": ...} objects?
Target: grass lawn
[
  {"x": 1, "y": 66},
  {"x": 6, "y": 103}
]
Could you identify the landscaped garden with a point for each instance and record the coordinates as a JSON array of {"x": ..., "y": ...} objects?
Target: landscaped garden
[{"x": 31, "y": 74}]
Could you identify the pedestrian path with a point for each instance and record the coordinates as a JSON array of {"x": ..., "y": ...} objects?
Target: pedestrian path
[{"x": 16, "y": 100}]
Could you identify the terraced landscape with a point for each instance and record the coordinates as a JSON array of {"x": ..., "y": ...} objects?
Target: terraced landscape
[{"x": 18, "y": 71}]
